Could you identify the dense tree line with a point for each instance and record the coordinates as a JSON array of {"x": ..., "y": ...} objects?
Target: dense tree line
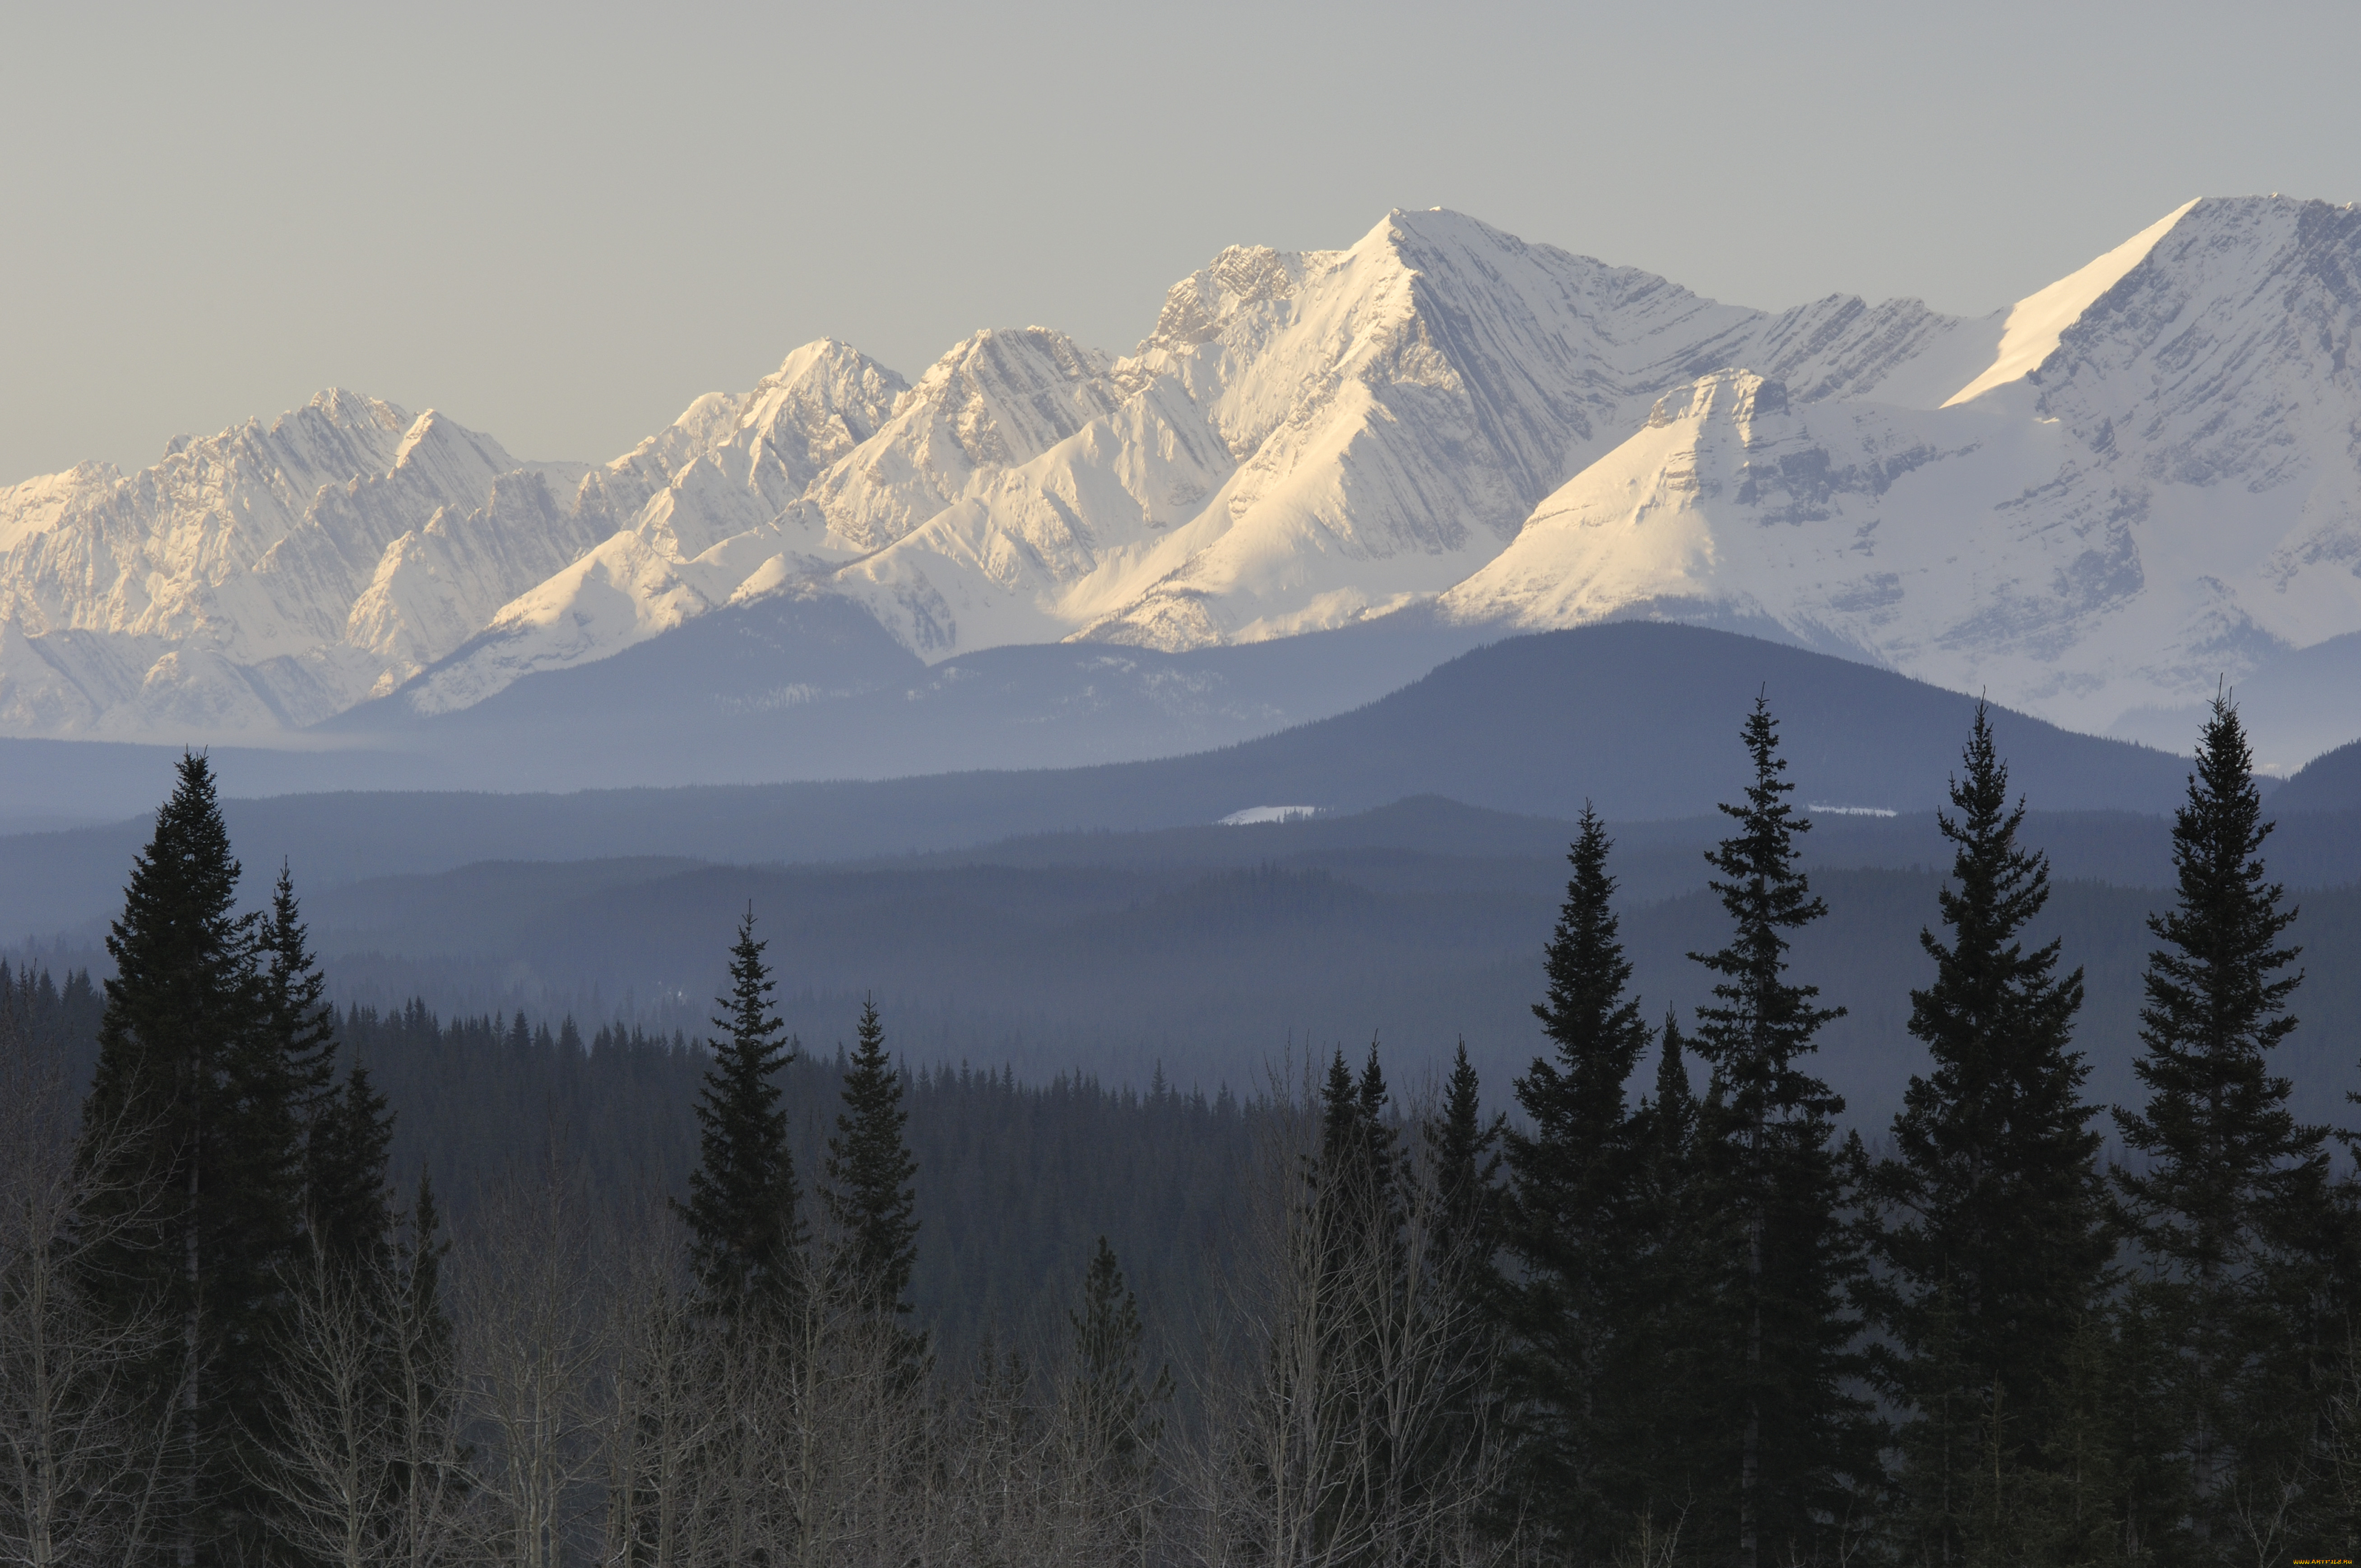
[
  {"x": 1019, "y": 1179},
  {"x": 1664, "y": 1316},
  {"x": 1733, "y": 1335}
]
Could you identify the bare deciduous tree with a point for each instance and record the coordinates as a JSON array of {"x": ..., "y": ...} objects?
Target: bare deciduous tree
[
  {"x": 531, "y": 1351},
  {"x": 364, "y": 1468},
  {"x": 83, "y": 1448},
  {"x": 1340, "y": 1426},
  {"x": 328, "y": 1467},
  {"x": 661, "y": 1417}
]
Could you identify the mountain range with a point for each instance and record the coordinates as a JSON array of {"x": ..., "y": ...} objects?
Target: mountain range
[{"x": 2096, "y": 505}]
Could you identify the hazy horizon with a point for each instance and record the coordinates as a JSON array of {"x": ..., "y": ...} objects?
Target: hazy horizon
[{"x": 560, "y": 236}]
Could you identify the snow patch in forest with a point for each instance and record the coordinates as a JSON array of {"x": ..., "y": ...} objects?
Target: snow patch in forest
[{"x": 1253, "y": 814}]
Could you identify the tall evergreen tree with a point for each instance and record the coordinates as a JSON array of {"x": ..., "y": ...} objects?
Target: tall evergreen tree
[
  {"x": 1359, "y": 1174},
  {"x": 1360, "y": 1270},
  {"x": 1572, "y": 1229},
  {"x": 1665, "y": 1387},
  {"x": 1997, "y": 1239},
  {"x": 1116, "y": 1412},
  {"x": 347, "y": 1131},
  {"x": 870, "y": 1172},
  {"x": 1464, "y": 1150},
  {"x": 296, "y": 1011},
  {"x": 203, "y": 1206},
  {"x": 1670, "y": 1115},
  {"x": 350, "y": 1206},
  {"x": 744, "y": 1208},
  {"x": 1465, "y": 1219},
  {"x": 2231, "y": 1207},
  {"x": 1783, "y": 1287}
]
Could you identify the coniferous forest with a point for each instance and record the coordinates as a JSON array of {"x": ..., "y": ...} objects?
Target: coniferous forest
[{"x": 287, "y": 1284}]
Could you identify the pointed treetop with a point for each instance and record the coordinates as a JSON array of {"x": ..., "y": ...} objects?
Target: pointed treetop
[
  {"x": 1760, "y": 1022},
  {"x": 744, "y": 1207},
  {"x": 1587, "y": 1012},
  {"x": 2227, "y": 1158}
]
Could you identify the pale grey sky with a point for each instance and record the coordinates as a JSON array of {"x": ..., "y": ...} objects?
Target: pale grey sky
[{"x": 558, "y": 224}]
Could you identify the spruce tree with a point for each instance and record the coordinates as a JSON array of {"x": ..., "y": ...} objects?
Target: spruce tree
[
  {"x": 1115, "y": 1411},
  {"x": 347, "y": 1131},
  {"x": 296, "y": 1011},
  {"x": 1468, "y": 1211},
  {"x": 1663, "y": 1382},
  {"x": 1668, "y": 1117},
  {"x": 192, "y": 1154},
  {"x": 870, "y": 1171},
  {"x": 1996, "y": 1242},
  {"x": 2231, "y": 1205},
  {"x": 1572, "y": 1229},
  {"x": 1781, "y": 1281},
  {"x": 1463, "y": 1151},
  {"x": 744, "y": 1208},
  {"x": 1358, "y": 1173},
  {"x": 429, "y": 1477},
  {"x": 1360, "y": 1268},
  {"x": 349, "y": 1205}
]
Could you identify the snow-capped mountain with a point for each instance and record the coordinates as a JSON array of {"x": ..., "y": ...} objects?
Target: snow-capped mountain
[
  {"x": 2092, "y": 503},
  {"x": 1304, "y": 440},
  {"x": 2153, "y": 483},
  {"x": 269, "y": 578},
  {"x": 706, "y": 508},
  {"x": 266, "y": 577}
]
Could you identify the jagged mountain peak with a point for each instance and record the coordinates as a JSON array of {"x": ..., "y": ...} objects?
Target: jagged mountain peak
[
  {"x": 2077, "y": 500},
  {"x": 2031, "y": 328},
  {"x": 1242, "y": 276},
  {"x": 471, "y": 459},
  {"x": 998, "y": 398},
  {"x": 826, "y": 358},
  {"x": 1410, "y": 231},
  {"x": 1732, "y": 505},
  {"x": 2141, "y": 482},
  {"x": 212, "y": 593},
  {"x": 1009, "y": 392},
  {"x": 35, "y": 505},
  {"x": 347, "y": 407}
]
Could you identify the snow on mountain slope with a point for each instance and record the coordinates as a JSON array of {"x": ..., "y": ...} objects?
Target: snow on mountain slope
[
  {"x": 211, "y": 591},
  {"x": 268, "y": 578},
  {"x": 1395, "y": 416},
  {"x": 2151, "y": 483},
  {"x": 1735, "y": 506},
  {"x": 2095, "y": 501},
  {"x": 1310, "y": 438},
  {"x": 2034, "y": 323},
  {"x": 1304, "y": 440},
  {"x": 734, "y": 467},
  {"x": 993, "y": 400}
]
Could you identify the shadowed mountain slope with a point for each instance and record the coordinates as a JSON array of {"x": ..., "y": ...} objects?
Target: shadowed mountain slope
[{"x": 1639, "y": 719}]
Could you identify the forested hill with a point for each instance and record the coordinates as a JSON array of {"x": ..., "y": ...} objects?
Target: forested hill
[{"x": 1636, "y": 718}]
